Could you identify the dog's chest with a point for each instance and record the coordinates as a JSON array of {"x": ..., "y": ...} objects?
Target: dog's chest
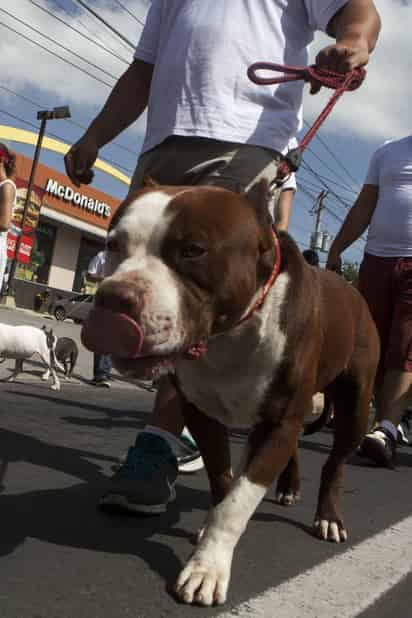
[{"x": 232, "y": 381}]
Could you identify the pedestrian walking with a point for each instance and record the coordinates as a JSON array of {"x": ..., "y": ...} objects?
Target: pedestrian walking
[
  {"x": 384, "y": 207},
  {"x": 102, "y": 363},
  {"x": 8, "y": 193}
]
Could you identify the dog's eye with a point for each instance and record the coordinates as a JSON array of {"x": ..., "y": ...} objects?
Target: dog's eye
[{"x": 192, "y": 250}]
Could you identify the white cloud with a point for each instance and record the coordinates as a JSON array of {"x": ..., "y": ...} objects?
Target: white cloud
[
  {"x": 26, "y": 68},
  {"x": 380, "y": 109},
  {"x": 377, "y": 111}
]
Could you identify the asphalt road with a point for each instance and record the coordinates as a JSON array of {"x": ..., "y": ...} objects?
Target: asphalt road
[{"x": 61, "y": 558}]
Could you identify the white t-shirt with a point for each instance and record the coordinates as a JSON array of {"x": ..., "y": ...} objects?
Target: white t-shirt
[
  {"x": 201, "y": 50},
  {"x": 390, "y": 229}
]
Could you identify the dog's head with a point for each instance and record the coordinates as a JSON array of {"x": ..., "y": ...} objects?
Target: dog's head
[
  {"x": 51, "y": 338},
  {"x": 183, "y": 264}
]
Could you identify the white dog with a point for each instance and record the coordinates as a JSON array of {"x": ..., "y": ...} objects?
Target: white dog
[{"x": 22, "y": 342}]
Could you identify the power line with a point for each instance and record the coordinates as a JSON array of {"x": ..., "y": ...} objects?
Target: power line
[
  {"x": 330, "y": 151},
  {"x": 48, "y": 38},
  {"x": 105, "y": 23},
  {"x": 139, "y": 21},
  {"x": 330, "y": 169},
  {"x": 96, "y": 43},
  {"x": 56, "y": 55},
  {"x": 38, "y": 105},
  {"x": 32, "y": 124}
]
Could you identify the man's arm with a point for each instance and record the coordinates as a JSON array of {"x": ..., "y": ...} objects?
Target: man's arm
[
  {"x": 125, "y": 104},
  {"x": 355, "y": 223},
  {"x": 283, "y": 210},
  {"x": 356, "y": 28}
]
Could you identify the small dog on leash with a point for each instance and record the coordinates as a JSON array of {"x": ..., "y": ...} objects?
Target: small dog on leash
[
  {"x": 22, "y": 342},
  {"x": 67, "y": 352}
]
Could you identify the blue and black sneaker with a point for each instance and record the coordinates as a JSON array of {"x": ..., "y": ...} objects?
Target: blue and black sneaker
[{"x": 145, "y": 483}]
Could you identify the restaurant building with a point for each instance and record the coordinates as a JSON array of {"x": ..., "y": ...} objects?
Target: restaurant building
[{"x": 63, "y": 229}]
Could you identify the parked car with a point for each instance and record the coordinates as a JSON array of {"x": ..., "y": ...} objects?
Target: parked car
[{"x": 75, "y": 307}]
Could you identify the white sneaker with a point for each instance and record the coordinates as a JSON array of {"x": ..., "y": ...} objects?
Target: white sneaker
[{"x": 190, "y": 459}]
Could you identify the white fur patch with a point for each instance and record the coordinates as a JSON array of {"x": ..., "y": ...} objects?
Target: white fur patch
[
  {"x": 205, "y": 579},
  {"x": 230, "y": 382},
  {"x": 143, "y": 228}
]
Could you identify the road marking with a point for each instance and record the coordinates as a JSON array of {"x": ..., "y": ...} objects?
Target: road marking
[{"x": 341, "y": 587}]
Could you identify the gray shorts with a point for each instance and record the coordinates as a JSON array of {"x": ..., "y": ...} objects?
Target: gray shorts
[{"x": 199, "y": 161}]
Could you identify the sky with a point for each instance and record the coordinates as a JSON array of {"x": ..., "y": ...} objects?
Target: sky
[{"x": 81, "y": 59}]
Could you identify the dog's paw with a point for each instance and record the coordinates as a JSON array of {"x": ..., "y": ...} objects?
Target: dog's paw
[
  {"x": 329, "y": 530},
  {"x": 205, "y": 581},
  {"x": 289, "y": 498},
  {"x": 55, "y": 387},
  {"x": 45, "y": 376}
]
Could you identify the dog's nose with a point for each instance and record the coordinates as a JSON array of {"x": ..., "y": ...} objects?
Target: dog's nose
[
  {"x": 112, "y": 326},
  {"x": 119, "y": 296}
]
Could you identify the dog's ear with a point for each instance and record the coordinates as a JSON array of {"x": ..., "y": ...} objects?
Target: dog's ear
[
  {"x": 258, "y": 197},
  {"x": 149, "y": 182}
]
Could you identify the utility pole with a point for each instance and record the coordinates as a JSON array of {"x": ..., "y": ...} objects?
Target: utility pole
[
  {"x": 317, "y": 238},
  {"x": 43, "y": 116}
]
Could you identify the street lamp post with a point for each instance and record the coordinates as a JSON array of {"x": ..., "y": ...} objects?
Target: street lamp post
[{"x": 43, "y": 116}]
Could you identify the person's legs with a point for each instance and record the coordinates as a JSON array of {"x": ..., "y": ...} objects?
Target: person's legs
[
  {"x": 102, "y": 368},
  {"x": 179, "y": 161},
  {"x": 393, "y": 392}
]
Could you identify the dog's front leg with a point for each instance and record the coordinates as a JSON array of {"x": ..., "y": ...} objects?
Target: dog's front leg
[
  {"x": 18, "y": 368},
  {"x": 205, "y": 579},
  {"x": 213, "y": 442}
]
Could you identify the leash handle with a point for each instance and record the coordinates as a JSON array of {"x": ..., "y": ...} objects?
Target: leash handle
[{"x": 340, "y": 82}]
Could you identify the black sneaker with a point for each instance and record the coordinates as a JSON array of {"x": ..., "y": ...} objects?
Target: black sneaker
[
  {"x": 145, "y": 482},
  {"x": 379, "y": 446}
]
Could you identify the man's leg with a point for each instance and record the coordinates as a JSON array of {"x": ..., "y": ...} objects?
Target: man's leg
[
  {"x": 394, "y": 389},
  {"x": 391, "y": 401},
  {"x": 145, "y": 481},
  {"x": 102, "y": 367}
]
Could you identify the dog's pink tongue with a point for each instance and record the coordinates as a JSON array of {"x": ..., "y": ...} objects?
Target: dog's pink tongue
[{"x": 108, "y": 332}]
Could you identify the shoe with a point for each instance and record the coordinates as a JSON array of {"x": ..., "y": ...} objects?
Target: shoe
[
  {"x": 145, "y": 481},
  {"x": 101, "y": 382},
  {"x": 190, "y": 459},
  {"x": 404, "y": 429},
  {"x": 379, "y": 446},
  {"x": 147, "y": 385}
]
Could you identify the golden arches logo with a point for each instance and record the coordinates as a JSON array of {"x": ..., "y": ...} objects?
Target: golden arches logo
[{"x": 22, "y": 136}]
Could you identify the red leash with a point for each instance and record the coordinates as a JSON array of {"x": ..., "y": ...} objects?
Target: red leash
[
  {"x": 340, "y": 82},
  {"x": 273, "y": 275}
]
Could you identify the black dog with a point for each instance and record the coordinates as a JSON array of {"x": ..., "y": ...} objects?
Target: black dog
[{"x": 66, "y": 352}]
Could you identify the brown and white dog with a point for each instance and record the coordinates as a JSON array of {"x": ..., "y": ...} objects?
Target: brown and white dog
[{"x": 202, "y": 285}]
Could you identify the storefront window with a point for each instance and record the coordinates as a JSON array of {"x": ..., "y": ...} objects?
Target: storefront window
[
  {"x": 88, "y": 249},
  {"x": 38, "y": 269}
]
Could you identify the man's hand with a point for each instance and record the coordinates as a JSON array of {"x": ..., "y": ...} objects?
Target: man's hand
[
  {"x": 342, "y": 57},
  {"x": 80, "y": 160},
  {"x": 334, "y": 262}
]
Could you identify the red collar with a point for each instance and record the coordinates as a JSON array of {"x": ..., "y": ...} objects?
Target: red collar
[{"x": 276, "y": 268}]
